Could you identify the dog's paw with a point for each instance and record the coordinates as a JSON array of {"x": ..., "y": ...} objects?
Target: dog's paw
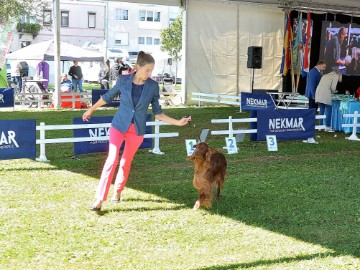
[{"x": 197, "y": 205}]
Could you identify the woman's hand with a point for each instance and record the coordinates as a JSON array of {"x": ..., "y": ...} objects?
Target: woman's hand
[
  {"x": 86, "y": 116},
  {"x": 185, "y": 120},
  {"x": 172, "y": 121}
]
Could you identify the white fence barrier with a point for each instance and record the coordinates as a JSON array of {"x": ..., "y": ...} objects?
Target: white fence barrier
[
  {"x": 230, "y": 132},
  {"x": 43, "y": 141},
  {"x": 216, "y": 98},
  {"x": 354, "y": 125},
  {"x": 169, "y": 97},
  {"x": 294, "y": 103},
  {"x": 32, "y": 99},
  {"x": 40, "y": 99}
]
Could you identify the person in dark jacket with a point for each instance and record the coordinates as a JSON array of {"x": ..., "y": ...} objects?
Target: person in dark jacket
[
  {"x": 76, "y": 76},
  {"x": 312, "y": 81}
]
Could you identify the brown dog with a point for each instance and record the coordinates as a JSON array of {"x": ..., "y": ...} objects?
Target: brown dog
[{"x": 210, "y": 170}]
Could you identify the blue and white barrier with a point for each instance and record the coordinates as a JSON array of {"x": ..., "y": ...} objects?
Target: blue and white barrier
[
  {"x": 230, "y": 132},
  {"x": 43, "y": 141}
]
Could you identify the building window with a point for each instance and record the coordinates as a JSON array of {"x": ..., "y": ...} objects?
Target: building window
[
  {"x": 149, "y": 16},
  {"x": 25, "y": 44},
  {"x": 156, "y": 41},
  {"x": 27, "y": 19},
  {"x": 142, "y": 15},
  {"x": 141, "y": 40},
  {"x": 91, "y": 19},
  {"x": 121, "y": 39},
  {"x": 156, "y": 16},
  {"x": 65, "y": 18},
  {"x": 121, "y": 14},
  {"x": 47, "y": 17},
  {"x": 149, "y": 41}
]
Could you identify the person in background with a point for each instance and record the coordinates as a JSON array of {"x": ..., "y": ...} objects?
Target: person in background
[
  {"x": 325, "y": 89},
  {"x": 66, "y": 84},
  {"x": 104, "y": 75},
  {"x": 332, "y": 54},
  {"x": 114, "y": 71},
  {"x": 137, "y": 92},
  {"x": 312, "y": 81},
  {"x": 124, "y": 69},
  {"x": 119, "y": 68},
  {"x": 42, "y": 70},
  {"x": 76, "y": 76},
  {"x": 16, "y": 74}
]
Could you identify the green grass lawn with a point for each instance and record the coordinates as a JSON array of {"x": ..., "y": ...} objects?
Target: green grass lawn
[{"x": 298, "y": 208}]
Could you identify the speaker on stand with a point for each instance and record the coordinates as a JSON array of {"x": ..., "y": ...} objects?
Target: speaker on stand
[{"x": 254, "y": 61}]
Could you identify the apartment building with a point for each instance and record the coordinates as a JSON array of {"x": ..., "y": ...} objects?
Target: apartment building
[
  {"x": 81, "y": 22},
  {"x": 136, "y": 27},
  {"x": 103, "y": 24}
]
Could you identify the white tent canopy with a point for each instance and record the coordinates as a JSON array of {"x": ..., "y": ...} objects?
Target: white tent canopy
[
  {"x": 217, "y": 41},
  {"x": 45, "y": 51}
]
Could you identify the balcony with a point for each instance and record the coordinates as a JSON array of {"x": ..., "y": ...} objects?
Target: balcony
[{"x": 28, "y": 28}]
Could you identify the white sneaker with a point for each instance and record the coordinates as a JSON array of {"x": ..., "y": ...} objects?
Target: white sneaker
[
  {"x": 329, "y": 129},
  {"x": 311, "y": 140}
]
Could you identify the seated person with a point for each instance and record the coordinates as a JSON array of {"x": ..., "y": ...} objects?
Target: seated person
[{"x": 66, "y": 84}]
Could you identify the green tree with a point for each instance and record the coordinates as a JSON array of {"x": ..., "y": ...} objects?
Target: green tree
[
  {"x": 171, "y": 39},
  {"x": 10, "y": 9}
]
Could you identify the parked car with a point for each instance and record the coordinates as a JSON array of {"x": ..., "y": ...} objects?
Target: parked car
[
  {"x": 168, "y": 78},
  {"x": 133, "y": 57},
  {"x": 115, "y": 52}
]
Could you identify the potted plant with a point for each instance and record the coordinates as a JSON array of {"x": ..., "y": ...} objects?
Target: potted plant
[{"x": 29, "y": 28}]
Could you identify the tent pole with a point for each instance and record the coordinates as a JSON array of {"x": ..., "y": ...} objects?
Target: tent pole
[
  {"x": 57, "y": 53},
  {"x": 238, "y": 91}
]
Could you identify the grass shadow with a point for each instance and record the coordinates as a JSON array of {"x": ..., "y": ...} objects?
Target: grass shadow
[{"x": 269, "y": 262}]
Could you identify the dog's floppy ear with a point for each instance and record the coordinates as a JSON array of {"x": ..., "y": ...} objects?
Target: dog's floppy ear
[{"x": 202, "y": 149}]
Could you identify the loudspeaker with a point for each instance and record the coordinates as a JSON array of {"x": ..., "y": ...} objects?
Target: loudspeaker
[
  {"x": 169, "y": 61},
  {"x": 254, "y": 57}
]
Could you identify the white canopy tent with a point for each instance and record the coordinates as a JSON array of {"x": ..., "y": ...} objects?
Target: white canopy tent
[
  {"x": 217, "y": 43},
  {"x": 45, "y": 51}
]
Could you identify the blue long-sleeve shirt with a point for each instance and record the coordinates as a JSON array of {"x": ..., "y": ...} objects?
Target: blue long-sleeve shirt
[
  {"x": 312, "y": 81},
  {"x": 127, "y": 110}
]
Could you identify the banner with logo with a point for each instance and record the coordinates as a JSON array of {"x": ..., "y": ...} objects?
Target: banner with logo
[
  {"x": 286, "y": 124},
  {"x": 96, "y": 94},
  {"x": 6, "y": 97},
  {"x": 251, "y": 101},
  {"x": 103, "y": 145},
  {"x": 17, "y": 139},
  {"x": 6, "y": 36}
]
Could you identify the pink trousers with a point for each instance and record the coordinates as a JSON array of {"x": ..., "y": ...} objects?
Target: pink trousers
[{"x": 132, "y": 144}]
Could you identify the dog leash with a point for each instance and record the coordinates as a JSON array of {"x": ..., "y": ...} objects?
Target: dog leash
[{"x": 193, "y": 130}]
